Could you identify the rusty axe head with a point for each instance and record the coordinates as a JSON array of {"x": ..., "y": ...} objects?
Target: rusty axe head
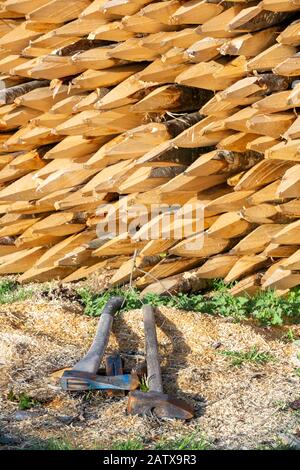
[{"x": 158, "y": 403}]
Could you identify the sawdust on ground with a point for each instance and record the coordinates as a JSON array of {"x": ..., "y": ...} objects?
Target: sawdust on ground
[{"x": 236, "y": 407}]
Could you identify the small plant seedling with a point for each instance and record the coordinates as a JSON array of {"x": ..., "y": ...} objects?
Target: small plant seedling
[
  {"x": 11, "y": 396},
  {"x": 24, "y": 401},
  {"x": 144, "y": 384},
  {"x": 289, "y": 336},
  {"x": 298, "y": 371},
  {"x": 87, "y": 396},
  {"x": 253, "y": 356},
  {"x": 281, "y": 405}
]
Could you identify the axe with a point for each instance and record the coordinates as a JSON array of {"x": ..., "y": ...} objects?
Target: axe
[
  {"x": 83, "y": 376},
  {"x": 144, "y": 403}
]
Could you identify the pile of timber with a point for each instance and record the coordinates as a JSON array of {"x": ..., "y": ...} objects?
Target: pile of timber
[{"x": 169, "y": 102}]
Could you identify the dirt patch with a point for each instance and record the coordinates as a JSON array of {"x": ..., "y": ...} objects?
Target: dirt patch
[{"x": 236, "y": 407}]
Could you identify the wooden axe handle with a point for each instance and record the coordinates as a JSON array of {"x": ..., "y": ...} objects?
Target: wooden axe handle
[
  {"x": 90, "y": 362},
  {"x": 152, "y": 354}
]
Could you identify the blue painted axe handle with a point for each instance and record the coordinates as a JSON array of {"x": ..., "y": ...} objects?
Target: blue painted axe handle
[
  {"x": 114, "y": 366},
  {"x": 77, "y": 380}
]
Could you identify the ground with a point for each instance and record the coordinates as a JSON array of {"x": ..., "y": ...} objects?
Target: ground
[{"x": 242, "y": 406}]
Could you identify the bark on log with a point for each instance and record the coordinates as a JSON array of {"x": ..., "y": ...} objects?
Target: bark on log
[
  {"x": 273, "y": 82},
  {"x": 185, "y": 283},
  {"x": 178, "y": 125},
  {"x": 81, "y": 46},
  {"x": 8, "y": 95}
]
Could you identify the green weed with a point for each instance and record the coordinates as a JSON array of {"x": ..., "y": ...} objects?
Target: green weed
[
  {"x": 253, "y": 356},
  {"x": 24, "y": 401},
  {"x": 11, "y": 291},
  {"x": 52, "y": 444},
  {"x": 266, "y": 307},
  {"x": 219, "y": 285},
  {"x": 289, "y": 336},
  {"x": 281, "y": 405},
  {"x": 94, "y": 303},
  {"x": 278, "y": 445},
  {"x": 144, "y": 384},
  {"x": 269, "y": 309},
  {"x": 226, "y": 305},
  {"x": 191, "y": 442},
  {"x": 130, "y": 444}
]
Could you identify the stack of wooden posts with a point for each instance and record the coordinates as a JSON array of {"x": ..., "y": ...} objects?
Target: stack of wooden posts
[{"x": 168, "y": 103}]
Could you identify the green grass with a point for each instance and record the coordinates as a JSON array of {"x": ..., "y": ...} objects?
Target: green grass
[
  {"x": 24, "y": 401},
  {"x": 11, "y": 291},
  {"x": 253, "y": 356},
  {"x": 218, "y": 285},
  {"x": 281, "y": 405},
  {"x": 276, "y": 446},
  {"x": 191, "y": 442},
  {"x": 289, "y": 336},
  {"x": 51, "y": 444},
  {"x": 130, "y": 444},
  {"x": 194, "y": 441},
  {"x": 266, "y": 308}
]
